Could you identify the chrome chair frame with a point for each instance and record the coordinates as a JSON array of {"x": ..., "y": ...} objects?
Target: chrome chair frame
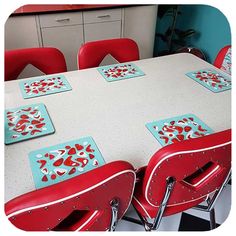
[
  {"x": 114, "y": 214},
  {"x": 212, "y": 201},
  {"x": 170, "y": 181}
]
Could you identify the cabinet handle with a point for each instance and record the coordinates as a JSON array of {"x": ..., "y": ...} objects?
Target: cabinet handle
[
  {"x": 104, "y": 16},
  {"x": 63, "y": 20}
]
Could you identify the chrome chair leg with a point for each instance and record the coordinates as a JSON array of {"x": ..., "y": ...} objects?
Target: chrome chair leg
[
  {"x": 212, "y": 201},
  {"x": 212, "y": 219},
  {"x": 169, "y": 187},
  {"x": 170, "y": 181},
  {"x": 114, "y": 217},
  {"x": 147, "y": 226}
]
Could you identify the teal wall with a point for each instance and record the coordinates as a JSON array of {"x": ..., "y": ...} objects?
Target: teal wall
[{"x": 213, "y": 30}]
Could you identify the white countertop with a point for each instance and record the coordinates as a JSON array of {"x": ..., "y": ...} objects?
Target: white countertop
[{"x": 115, "y": 113}]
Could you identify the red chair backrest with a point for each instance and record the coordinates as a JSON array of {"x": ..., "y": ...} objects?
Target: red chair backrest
[
  {"x": 92, "y": 53},
  {"x": 47, "y": 60},
  {"x": 80, "y": 203},
  {"x": 199, "y": 166},
  {"x": 221, "y": 57}
]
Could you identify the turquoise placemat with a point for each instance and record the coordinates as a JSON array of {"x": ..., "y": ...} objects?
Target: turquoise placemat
[
  {"x": 63, "y": 161},
  {"x": 120, "y": 71},
  {"x": 27, "y": 122},
  {"x": 44, "y": 85},
  {"x": 178, "y": 128},
  {"x": 211, "y": 79}
]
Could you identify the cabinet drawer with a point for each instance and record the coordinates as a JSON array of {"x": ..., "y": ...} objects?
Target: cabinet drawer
[
  {"x": 102, "y": 15},
  {"x": 60, "y": 19}
]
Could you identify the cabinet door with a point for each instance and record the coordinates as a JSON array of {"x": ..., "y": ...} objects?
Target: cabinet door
[
  {"x": 22, "y": 32},
  {"x": 140, "y": 25},
  {"x": 68, "y": 39},
  {"x": 17, "y": 35},
  {"x": 104, "y": 30},
  {"x": 100, "y": 31}
]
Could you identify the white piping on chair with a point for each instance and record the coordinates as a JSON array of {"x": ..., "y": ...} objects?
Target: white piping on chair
[
  {"x": 141, "y": 206},
  {"x": 74, "y": 195},
  {"x": 87, "y": 221},
  {"x": 176, "y": 153},
  {"x": 172, "y": 205},
  {"x": 193, "y": 200}
]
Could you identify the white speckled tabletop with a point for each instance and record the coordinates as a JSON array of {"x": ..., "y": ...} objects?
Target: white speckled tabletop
[{"x": 115, "y": 113}]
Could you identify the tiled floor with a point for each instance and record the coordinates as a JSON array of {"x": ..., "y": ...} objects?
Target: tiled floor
[{"x": 172, "y": 223}]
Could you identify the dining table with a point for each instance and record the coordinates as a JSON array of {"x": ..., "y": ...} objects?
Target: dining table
[{"x": 115, "y": 113}]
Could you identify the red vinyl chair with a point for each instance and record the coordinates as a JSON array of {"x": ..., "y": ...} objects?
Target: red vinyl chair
[
  {"x": 93, "y": 201},
  {"x": 223, "y": 59},
  {"x": 47, "y": 60},
  {"x": 181, "y": 176},
  {"x": 91, "y": 54}
]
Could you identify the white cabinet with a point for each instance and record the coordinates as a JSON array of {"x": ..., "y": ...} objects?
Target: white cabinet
[
  {"x": 140, "y": 25},
  {"x": 65, "y": 32},
  {"x": 21, "y": 32},
  {"x": 68, "y": 31},
  {"x": 102, "y": 24},
  {"x": 66, "y": 38}
]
